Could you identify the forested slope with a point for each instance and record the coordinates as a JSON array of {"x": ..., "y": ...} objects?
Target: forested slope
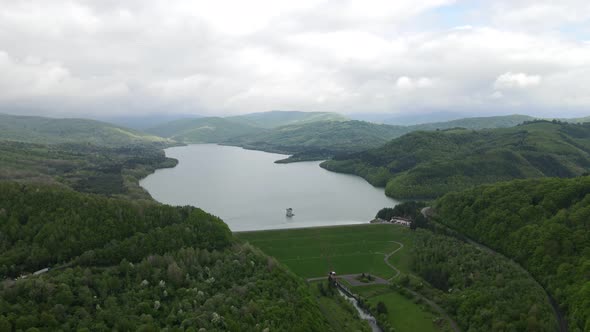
[
  {"x": 35, "y": 129},
  {"x": 319, "y": 139},
  {"x": 481, "y": 290},
  {"x": 113, "y": 171},
  {"x": 203, "y": 130},
  {"x": 429, "y": 164},
  {"x": 130, "y": 265},
  {"x": 544, "y": 224}
]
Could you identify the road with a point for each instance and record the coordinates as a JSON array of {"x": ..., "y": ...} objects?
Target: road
[
  {"x": 381, "y": 281},
  {"x": 428, "y": 212}
]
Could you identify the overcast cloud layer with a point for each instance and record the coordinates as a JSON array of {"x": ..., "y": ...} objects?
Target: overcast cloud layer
[{"x": 108, "y": 57}]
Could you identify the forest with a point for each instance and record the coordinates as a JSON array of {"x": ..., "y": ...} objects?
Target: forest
[
  {"x": 543, "y": 224},
  {"x": 483, "y": 291},
  {"x": 112, "y": 171},
  {"x": 430, "y": 164},
  {"x": 118, "y": 264}
]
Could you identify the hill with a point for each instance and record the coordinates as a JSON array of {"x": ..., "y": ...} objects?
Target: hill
[
  {"x": 121, "y": 265},
  {"x": 429, "y": 164},
  {"x": 203, "y": 130},
  {"x": 275, "y": 119},
  {"x": 143, "y": 122},
  {"x": 34, "y": 129},
  {"x": 476, "y": 123},
  {"x": 113, "y": 171},
  {"x": 322, "y": 140},
  {"x": 319, "y": 140},
  {"x": 542, "y": 224},
  {"x": 221, "y": 130}
]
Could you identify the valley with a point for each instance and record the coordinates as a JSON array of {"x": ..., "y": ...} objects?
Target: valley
[{"x": 425, "y": 277}]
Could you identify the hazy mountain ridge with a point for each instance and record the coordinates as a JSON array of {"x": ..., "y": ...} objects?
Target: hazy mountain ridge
[
  {"x": 35, "y": 129},
  {"x": 477, "y": 123},
  {"x": 222, "y": 129},
  {"x": 274, "y": 119},
  {"x": 203, "y": 130}
]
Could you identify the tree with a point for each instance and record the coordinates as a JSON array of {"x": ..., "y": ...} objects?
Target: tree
[{"x": 381, "y": 308}]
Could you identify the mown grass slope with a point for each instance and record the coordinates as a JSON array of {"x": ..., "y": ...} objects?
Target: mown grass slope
[{"x": 314, "y": 252}]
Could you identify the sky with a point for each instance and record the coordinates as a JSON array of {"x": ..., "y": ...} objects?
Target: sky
[{"x": 138, "y": 57}]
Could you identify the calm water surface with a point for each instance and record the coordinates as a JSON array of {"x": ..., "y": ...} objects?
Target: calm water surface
[{"x": 250, "y": 192}]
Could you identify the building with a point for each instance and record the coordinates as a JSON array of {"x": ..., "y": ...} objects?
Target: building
[{"x": 401, "y": 221}]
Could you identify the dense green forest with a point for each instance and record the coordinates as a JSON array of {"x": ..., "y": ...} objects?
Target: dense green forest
[
  {"x": 34, "y": 129},
  {"x": 128, "y": 265},
  {"x": 429, "y": 164},
  {"x": 83, "y": 167},
  {"x": 543, "y": 224},
  {"x": 483, "y": 291},
  {"x": 323, "y": 140}
]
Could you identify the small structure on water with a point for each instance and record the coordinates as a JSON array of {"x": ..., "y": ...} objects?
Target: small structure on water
[{"x": 290, "y": 212}]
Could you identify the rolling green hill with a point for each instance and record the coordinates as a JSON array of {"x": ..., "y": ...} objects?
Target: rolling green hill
[
  {"x": 113, "y": 171},
  {"x": 490, "y": 122},
  {"x": 34, "y": 129},
  {"x": 319, "y": 139},
  {"x": 429, "y": 164},
  {"x": 322, "y": 140},
  {"x": 275, "y": 119},
  {"x": 203, "y": 130},
  {"x": 220, "y": 130},
  {"x": 541, "y": 223},
  {"x": 307, "y": 135},
  {"x": 136, "y": 266}
]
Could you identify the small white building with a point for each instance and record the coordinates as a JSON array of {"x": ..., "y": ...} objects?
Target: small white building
[{"x": 401, "y": 221}]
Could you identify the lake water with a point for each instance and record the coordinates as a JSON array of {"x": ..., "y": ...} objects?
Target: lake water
[{"x": 250, "y": 192}]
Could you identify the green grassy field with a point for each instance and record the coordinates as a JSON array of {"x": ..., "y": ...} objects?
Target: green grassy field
[
  {"x": 403, "y": 313},
  {"x": 313, "y": 252}
]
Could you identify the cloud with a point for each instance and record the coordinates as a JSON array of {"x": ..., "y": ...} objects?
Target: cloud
[
  {"x": 405, "y": 82},
  {"x": 511, "y": 80},
  {"x": 137, "y": 56}
]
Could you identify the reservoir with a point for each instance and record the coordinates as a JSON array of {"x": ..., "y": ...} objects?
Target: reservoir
[{"x": 249, "y": 191}]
